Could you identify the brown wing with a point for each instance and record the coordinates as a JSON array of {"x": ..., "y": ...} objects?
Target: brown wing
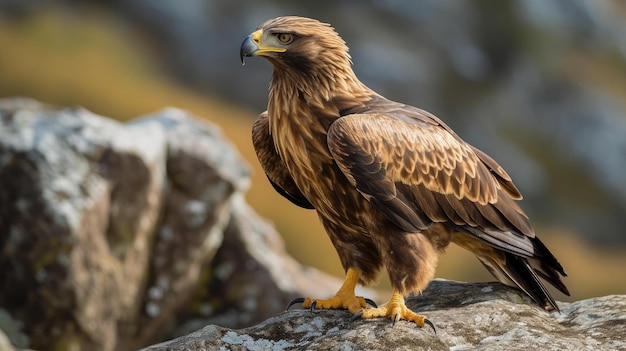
[
  {"x": 416, "y": 171},
  {"x": 273, "y": 165},
  {"x": 420, "y": 173}
]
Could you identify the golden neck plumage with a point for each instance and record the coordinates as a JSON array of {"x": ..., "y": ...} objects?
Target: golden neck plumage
[
  {"x": 299, "y": 96},
  {"x": 301, "y": 108}
]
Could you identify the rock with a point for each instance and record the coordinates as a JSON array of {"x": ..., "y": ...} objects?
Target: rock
[
  {"x": 5, "y": 344},
  {"x": 114, "y": 236},
  {"x": 468, "y": 316},
  {"x": 80, "y": 201}
]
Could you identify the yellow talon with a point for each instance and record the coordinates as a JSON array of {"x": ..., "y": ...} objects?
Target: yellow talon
[
  {"x": 343, "y": 299},
  {"x": 396, "y": 309},
  {"x": 351, "y": 303}
]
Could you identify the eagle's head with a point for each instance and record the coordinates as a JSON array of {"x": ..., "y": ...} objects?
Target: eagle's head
[{"x": 297, "y": 44}]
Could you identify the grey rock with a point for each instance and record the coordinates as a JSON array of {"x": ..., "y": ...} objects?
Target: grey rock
[
  {"x": 468, "y": 316},
  {"x": 81, "y": 197},
  {"x": 114, "y": 236},
  {"x": 5, "y": 344}
]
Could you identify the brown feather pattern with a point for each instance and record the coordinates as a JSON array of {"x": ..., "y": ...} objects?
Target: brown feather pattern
[
  {"x": 392, "y": 184},
  {"x": 274, "y": 167}
]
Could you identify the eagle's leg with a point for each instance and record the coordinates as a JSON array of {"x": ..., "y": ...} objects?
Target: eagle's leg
[
  {"x": 396, "y": 309},
  {"x": 345, "y": 298}
]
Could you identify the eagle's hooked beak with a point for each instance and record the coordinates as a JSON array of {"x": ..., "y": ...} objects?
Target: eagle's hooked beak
[
  {"x": 252, "y": 46},
  {"x": 248, "y": 48}
]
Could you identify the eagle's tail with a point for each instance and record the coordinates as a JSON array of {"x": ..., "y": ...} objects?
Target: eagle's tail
[{"x": 525, "y": 272}]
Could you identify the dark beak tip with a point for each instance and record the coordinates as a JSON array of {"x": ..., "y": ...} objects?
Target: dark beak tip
[{"x": 248, "y": 47}]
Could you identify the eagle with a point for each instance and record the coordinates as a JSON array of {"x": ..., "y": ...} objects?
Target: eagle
[{"x": 392, "y": 184}]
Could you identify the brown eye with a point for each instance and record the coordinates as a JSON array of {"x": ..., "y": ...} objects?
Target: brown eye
[{"x": 285, "y": 38}]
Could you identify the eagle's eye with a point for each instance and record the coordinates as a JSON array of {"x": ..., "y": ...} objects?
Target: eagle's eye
[{"x": 285, "y": 38}]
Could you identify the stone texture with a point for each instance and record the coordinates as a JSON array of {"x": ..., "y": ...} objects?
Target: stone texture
[
  {"x": 5, "y": 344},
  {"x": 80, "y": 200},
  {"x": 109, "y": 232},
  {"x": 468, "y": 316}
]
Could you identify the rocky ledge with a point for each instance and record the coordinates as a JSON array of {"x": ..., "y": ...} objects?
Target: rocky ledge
[
  {"x": 468, "y": 316},
  {"x": 114, "y": 236}
]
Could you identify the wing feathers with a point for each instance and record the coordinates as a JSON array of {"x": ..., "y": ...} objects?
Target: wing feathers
[
  {"x": 503, "y": 177},
  {"x": 415, "y": 153},
  {"x": 272, "y": 164},
  {"x": 364, "y": 169},
  {"x": 420, "y": 173},
  {"x": 380, "y": 154},
  {"x": 384, "y": 157}
]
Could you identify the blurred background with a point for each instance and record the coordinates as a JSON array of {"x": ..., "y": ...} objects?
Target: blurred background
[{"x": 540, "y": 85}]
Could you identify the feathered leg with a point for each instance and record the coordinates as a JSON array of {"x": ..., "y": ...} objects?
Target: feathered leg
[{"x": 420, "y": 260}]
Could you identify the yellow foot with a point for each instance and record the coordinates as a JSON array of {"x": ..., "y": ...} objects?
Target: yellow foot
[
  {"x": 344, "y": 299},
  {"x": 352, "y": 303},
  {"x": 396, "y": 310}
]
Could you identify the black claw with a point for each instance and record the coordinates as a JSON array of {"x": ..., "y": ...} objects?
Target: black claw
[
  {"x": 371, "y": 302},
  {"x": 295, "y": 301},
  {"x": 395, "y": 319},
  {"x": 356, "y": 316},
  {"x": 313, "y": 304},
  {"x": 427, "y": 321}
]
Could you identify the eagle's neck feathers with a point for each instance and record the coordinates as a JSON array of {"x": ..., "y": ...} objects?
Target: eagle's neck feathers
[{"x": 320, "y": 91}]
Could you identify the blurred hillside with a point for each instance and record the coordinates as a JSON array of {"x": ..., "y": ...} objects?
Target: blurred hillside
[{"x": 539, "y": 85}]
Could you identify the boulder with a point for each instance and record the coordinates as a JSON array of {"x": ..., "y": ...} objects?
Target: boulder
[
  {"x": 117, "y": 235},
  {"x": 5, "y": 344},
  {"x": 468, "y": 316}
]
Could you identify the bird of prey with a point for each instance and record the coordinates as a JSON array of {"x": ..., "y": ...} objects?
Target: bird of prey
[{"x": 392, "y": 184}]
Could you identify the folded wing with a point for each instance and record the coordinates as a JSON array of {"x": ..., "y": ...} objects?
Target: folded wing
[
  {"x": 417, "y": 172},
  {"x": 272, "y": 164}
]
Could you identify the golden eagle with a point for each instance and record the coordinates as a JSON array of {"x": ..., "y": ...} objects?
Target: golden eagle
[{"x": 392, "y": 184}]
